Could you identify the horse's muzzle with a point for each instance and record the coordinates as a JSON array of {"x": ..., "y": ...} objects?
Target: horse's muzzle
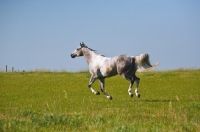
[{"x": 73, "y": 55}]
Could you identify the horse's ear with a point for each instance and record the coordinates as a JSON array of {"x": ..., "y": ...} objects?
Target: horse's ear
[{"x": 82, "y": 44}]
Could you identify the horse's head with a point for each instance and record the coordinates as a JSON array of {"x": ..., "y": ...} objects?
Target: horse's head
[{"x": 78, "y": 51}]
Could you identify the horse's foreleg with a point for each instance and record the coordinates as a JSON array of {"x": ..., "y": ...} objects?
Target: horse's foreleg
[
  {"x": 92, "y": 79},
  {"x": 137, "y": 80},
  {"x": 102, "y": 82}
]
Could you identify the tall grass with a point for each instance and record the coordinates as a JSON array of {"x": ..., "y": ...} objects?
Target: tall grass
[{"x": 61, "y": 101}]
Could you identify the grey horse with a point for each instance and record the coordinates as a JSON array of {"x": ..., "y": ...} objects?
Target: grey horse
[{"x": 101, "y": 67}]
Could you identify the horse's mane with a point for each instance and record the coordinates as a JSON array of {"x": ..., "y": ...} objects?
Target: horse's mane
[{"x": 84, "y": 46}]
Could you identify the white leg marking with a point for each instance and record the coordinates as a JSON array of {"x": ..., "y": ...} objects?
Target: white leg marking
[
  {"x": 136, "y": 89},
  {"x": 130, "y": 89},
  {"x": 109, "y": 97},
  {"x": 92, "y": 79},
  {"x": 136, "y": 92},
  {"x": 103, "y": 90},
  {"x": 93, "y": 91}
]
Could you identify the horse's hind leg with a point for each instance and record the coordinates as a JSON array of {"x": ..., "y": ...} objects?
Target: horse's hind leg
[
  {"x": 130, "y": 88},
  {"x": 131, "y": 79},
  {"x": 137, "y": 80},
  {"x": 102, "y": 82},
  {"x": 92, "y": 79}
]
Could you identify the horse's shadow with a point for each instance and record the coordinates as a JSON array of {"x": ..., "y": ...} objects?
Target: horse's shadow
[
  {"x": 157, "y": 100},
  {"x": 162, "y": 100}
]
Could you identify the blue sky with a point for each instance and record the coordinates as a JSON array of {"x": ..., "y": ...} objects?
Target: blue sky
[{"x": 42, "y": 34}]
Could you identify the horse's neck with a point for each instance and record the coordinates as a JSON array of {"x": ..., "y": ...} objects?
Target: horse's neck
[{"x": 88, "y": 54}]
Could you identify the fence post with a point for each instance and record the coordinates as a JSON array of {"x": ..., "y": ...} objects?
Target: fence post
[
  {"x": 12, "y": 69},
  {"x": 6, "y": 68}
]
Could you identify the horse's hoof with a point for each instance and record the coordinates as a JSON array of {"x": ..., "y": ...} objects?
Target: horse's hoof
[
  {"x": 138, "y": 96},
  {"x": 97, "y": 93},
  {"x": 109, "y": 97},
  {"x": 131, "y": 95}
]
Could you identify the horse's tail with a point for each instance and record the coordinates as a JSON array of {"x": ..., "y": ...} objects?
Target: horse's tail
[{"x": 143, "y": 63}]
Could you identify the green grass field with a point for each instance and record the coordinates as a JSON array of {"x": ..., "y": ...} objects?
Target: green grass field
[{"x": 61, "y": 101}]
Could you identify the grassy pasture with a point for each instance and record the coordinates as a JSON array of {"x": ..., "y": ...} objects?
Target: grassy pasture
[{"x": 61, "y": 101}]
